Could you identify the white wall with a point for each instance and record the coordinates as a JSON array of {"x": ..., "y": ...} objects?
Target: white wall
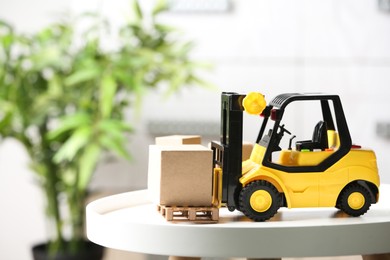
[
  {"x": 340, "y": 47},
  {"x": 271, "y": 46}
]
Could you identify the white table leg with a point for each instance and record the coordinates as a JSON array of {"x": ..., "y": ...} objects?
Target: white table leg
[{"x": 377, "y": 257}]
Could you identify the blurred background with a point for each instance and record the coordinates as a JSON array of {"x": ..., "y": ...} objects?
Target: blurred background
[{"x": 270, "y": 46}]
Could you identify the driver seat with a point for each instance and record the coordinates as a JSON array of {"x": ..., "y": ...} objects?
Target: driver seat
[{"x": 319, "y": 139}]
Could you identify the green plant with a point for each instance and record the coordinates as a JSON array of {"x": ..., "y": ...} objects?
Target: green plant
[{"x": 63, "y": 96}]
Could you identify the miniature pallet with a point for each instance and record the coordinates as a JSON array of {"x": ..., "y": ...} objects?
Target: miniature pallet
[{"x": 195, "y": 214}]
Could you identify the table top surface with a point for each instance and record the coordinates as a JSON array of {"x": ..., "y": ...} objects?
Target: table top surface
[{"x": 130, "y": 222}]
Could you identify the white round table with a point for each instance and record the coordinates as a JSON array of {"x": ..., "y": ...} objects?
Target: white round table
[{"x": 130, "y": 222}]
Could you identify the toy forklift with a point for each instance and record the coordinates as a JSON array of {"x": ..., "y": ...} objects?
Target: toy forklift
[{"x": 326, "y": 171}]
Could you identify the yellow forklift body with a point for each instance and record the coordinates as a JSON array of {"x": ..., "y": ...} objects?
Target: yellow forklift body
[{"x": 311, "y": 189}]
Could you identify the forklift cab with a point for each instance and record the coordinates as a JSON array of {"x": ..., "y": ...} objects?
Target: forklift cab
[
  {"x": 325, "y": 171},
  {"x": 330, "y": 138}
]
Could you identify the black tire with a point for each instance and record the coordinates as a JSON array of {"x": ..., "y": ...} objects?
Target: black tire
[
  {"x": 259, "y": 200},
  {"x": 355, "y": 200}
]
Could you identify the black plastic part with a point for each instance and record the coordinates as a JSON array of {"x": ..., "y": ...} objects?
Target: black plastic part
[
  {"x": 319, "y": 139},
  {"x": 228, "y": 153},
  {"x": 265, "y": 114},
  {"x": 327, "y": 115},
  {"x": 290, "y": 142}
]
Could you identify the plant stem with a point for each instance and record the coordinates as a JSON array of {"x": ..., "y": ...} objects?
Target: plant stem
[
  {"x": 76, "y": 202},
  {"x": 51, "y": 188}
]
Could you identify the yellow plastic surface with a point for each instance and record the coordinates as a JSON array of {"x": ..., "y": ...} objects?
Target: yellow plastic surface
[
  {"x": 260, "y": 200},
  {"x": 254, "y": 103},
  {"x": 333, "y": 139},
  {"x": 303, "y": 158},
  {"x": 313, "y": 189},
  {"x": 217, "y": 187},
  {"x": 356, "y": 200}
]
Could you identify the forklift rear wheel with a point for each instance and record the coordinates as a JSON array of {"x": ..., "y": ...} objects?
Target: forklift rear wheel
[
  {"x": 355, "y": 200},
  {"x": 259, "y": 200}
]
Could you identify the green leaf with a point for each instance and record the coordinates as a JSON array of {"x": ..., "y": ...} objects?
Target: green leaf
[
  {"x": 39, "y": 169},
  {"x": 69, "y": 177},
  {"x": 113, "y": 136},
  {"x": 88, "y": 161},
  {"x": 54, "y": 86},
  {"x": 5, "y": 120},
  {"x": 5, "y": 24},
  {"x": 5, "y": 30},
  {"x": 107, "y": 93},
  {"x": 161, "y": 6},
  {"x": 68, "y": 123},
  {"x": 109, "y": 125},
  {"x": 116, "y": 145},
  {"x": 124, "y": 77},
  {"x": 7, "y": 40},
  {"x": 81, "y": 76},
  {"x": 136, "y": 13},
  {"x": 6, "y": 114},
  {"x": 165, "y": 28},
  {"x": 75, "y": 143},
  {"x": 46, "y": 57},
  {"x": 41, "y": 105},
  {"x": 185, "y": 49}
]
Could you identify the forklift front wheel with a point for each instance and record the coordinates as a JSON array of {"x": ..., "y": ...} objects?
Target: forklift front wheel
[{"x": 259, "y": 200}]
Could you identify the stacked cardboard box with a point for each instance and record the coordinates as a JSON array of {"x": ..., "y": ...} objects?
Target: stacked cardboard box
[
  {"x": 180, "y": 175},
  {"x": 180, "y": 171},
  {"x": 178, "y": 139}
]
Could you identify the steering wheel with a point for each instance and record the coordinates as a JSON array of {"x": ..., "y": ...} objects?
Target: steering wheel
[
  {"x": 283, "y": 130},
  {"x": 279, "y": 137}
]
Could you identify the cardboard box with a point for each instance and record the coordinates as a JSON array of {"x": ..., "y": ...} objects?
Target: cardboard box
[
  {"x": 178, "y": 139},
  {"x": 180, "y": 175},
  {"x": 247, "y": 148}
]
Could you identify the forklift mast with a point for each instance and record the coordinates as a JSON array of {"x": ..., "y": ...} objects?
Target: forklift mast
[{"x": 227, "y": 153}]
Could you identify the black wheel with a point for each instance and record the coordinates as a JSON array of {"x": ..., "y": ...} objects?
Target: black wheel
[
  {"x": 355, "y": 200},
  {"x": 259, "y": 200}
]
